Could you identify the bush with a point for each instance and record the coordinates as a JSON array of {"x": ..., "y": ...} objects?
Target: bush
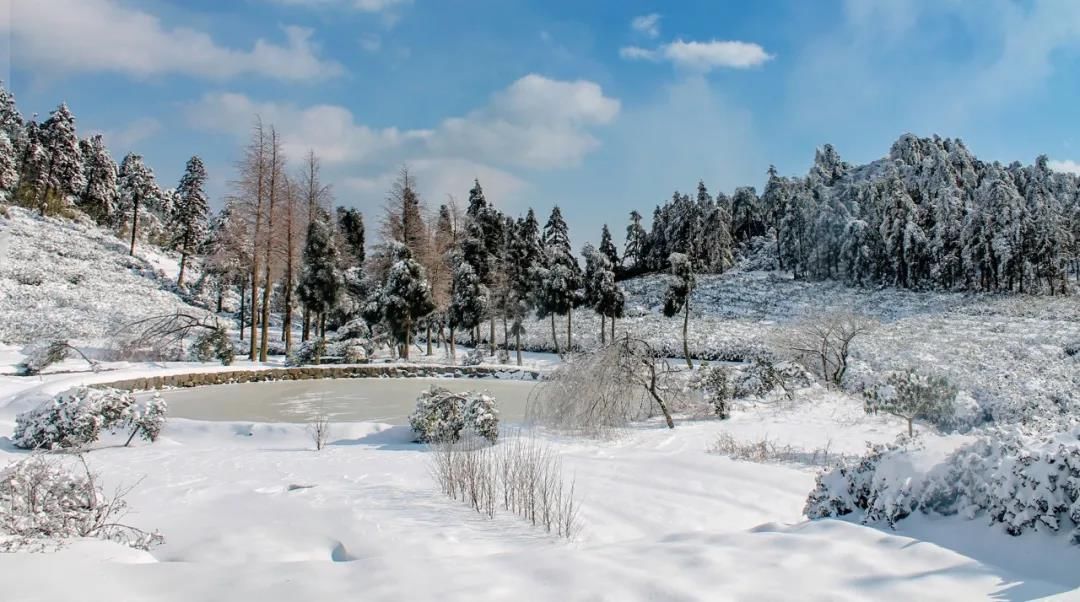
[
  {"x": 308, "y": 352},
  {"x": 911, "y": 396},
  {"x": 1022, "y": 484},
  {"x": 715, "y": 386},
  {"x": 214, "y": 344},
  {"x": 442, "y": 416},
  {"x": 43, "y": 499},
  {"x": 76, "y": 418}
]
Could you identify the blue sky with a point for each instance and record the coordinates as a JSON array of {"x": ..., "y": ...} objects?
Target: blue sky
[{"x": 598, "y": 106}]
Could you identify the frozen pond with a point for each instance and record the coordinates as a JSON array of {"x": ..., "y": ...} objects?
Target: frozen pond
[{"x": 388, "y": 400}]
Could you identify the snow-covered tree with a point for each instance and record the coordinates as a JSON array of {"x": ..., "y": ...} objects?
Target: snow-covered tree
[
  {"x": 406, "y": 297},
  {"x": 136, "y": 187},
  {"x": 677, "y": 297},
  {"x": 98, "y": 198},
  {"x": 320, "y": 282},
  {"x": 467, "y": 301},
  {"x": 350, "y": 224},
  {"x": 9, "y": 164},
  {"x": 11, "y": 121},
  {"x": 607, "y": 247},
  {"x": 64, "y": 175},
  {"x": 636, "y": 250},
  {"x": 911, "y": 395},
  {"x": 601, "y": 292},
  {"x": 189, "y": 215},
  {"x": 559, "y": 279}
]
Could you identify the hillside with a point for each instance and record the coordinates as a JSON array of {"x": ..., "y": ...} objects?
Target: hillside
[{"x": 74, "y": 280}]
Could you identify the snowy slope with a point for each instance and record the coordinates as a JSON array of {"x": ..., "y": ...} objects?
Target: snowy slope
[{"x": 65, "y": 279}]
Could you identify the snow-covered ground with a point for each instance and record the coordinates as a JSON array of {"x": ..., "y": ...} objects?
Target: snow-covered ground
[{"x": 250, "y": 511}]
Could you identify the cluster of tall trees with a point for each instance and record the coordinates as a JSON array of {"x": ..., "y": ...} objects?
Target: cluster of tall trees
[
  {"x": 928, "y": 216},
  {"x": 46, "y": 167}
]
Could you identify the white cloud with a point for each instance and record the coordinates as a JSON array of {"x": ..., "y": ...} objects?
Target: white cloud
[
  {"x": 536, "y": 122},
  {"x": 438, "y": 177},
  {"x": 648, "y": 25},
  {"x": 129, "y": 137},
  {"x": 371, "y": 42},
  {"x": 702, "y": 56},
  {"x": 103, "y": 35},
  {"x": 364, "y": 6},
  {"x": 637, "y": 53},
  {"x": 1065, "y": 166}
]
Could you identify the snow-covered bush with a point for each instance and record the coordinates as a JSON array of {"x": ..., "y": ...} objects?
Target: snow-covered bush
[
  {"x": 911, "y": 395},
  {"x": 869, "y": 484},
  {"x": 77, "y": 417},
  {"x": 714, "y": 382},
  {"x": 441, "y": 416},
  {"x": 42, "y": 354},
  {"x": 1022, "y": 483},
  {"x": 308, "y": 352},
  {"x": 47, "y": 500},
  {"x": 475, "y": 356},
  {"x": 351, "y": 351},
  {"x": 214, "y": 344}
]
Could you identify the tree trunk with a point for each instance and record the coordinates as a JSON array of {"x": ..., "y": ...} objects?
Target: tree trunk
[
  {"x": 603, "y": 330},
  {"x": 429, "y": 337},
  {"x": 405, "y": 347},
  {"x": 183, "y": 264},
  {"x": 243, "y": 297},
  {"x": 220, "y": 298},
  {"x": 453, "y": 347},
  {"x": 491, "y": 334},
  {"x": 554, "y": 338},
  {"x": 307, "y": 325},
  {"x": 265, "y": 319},
  {"x": 612, "y": 328},
  {"x": 910, "y": 427},
  {"x": 517, "y": 339},
  {"x": 286, "y": 323},
  {"x": 506, "y": 334},
  {"x": 254, "y": 309},
  {"x": 134, "y": 225},
  {"x": 685, "y": 324},
  {"x": 322, "y": 325},
  {"x": 570, "y": 331}
]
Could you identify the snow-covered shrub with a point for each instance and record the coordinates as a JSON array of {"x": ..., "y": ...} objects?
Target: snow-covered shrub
[
  {"x": 308, "y": 352},
  {"x": 77, "y": 417},
  {"x": 474, "y": 357},
  {"x": 352, "y": 350},
  {"x": 47, "y": 500},
  {"x": 870, "y": 484},
  {"x": 714, "y": 382},
  {"x": 441, "y": 415},
  {"x": 214, "y": 344},
  {"x": 481, "y": 415},
  {"x": 912, "y": 395},
  {"x": 148, "y": 419}
]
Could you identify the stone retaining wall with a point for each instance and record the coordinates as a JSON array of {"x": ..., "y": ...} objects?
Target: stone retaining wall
[{"x": 316, "y": 372}]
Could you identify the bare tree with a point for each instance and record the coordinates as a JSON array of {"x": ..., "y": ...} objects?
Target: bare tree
[
  {"x": 319, "y": 430},
  {"x": 822, "y": 343},
  {"x": 272, "y": 243},
  {"x": 248, "y": 203}
]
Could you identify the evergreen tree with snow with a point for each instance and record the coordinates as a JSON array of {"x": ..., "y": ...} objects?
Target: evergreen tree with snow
[
  {"x": 677, "y": 297},
  {"x": 406, "y": 297},
  {"x": 468, "y": 300},
  {"x": 320, "y": 283},
  {"x": 524, "y": 255},
  {"x": 350, "y": 224},
  {"x": 9, "y": 164},
  {"x": 486, "y": 242},
  {"x": 607, "y": 247},
  {"x": 602, "y": 294},
  {"x": 98, "y": 198},
  {"x": 190, "y": 213},
  {"x": 11, "y": 121},
  {"x": 636, "y": 250},
  {"x": 64, "y": 177},
  {"x": 559, "y": 280},
  {"x": 33, "y": 168},
  {"x": 136, "y": 188}
]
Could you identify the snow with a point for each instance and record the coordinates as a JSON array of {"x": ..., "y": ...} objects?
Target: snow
[{"x": 250, "y": 511}]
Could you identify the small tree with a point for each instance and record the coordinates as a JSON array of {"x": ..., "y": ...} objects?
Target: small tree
[
  {"x": 467, "y": 301},
  {"x": 189, "y": 223},
  {"x": 823, "y": 343},
  {"x": 406, "y": 296},
  {"x": 136, "y": 187},
  {"x": 320, "y": 282},
  {"x": 911, "y": 395},
  {"x": 678, "y": 294}
]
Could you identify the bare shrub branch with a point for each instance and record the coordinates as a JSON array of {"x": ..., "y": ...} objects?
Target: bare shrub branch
[{"x": 822, "y": 343}]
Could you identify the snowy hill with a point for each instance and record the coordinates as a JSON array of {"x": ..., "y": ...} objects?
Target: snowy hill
[{"x": 68, "y": 279}]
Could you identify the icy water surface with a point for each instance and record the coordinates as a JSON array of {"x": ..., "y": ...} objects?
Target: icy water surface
[{"x": 388, "y": 400}]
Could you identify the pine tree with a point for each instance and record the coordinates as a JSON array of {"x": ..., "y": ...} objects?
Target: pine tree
[
  {"x": 136, "y": 187},
  {"x": 636, "y": 250},
  {"x": 602, "y": 294},
  {"x": 607, "y": 247},
  {"x": 351, "y": 227},
  {"x": 524, "y": 256},
  {"x": 11, "y": 121},
  {"x": 98, "y": 198},
  {"x": 406, "y": 297},
  {"x": 320, "y": 283},
  {"x": 190, "y": 213},
  {"x": 677, "y": 298},
  {"x": 467, "y": 300},
  {"x": 64, "y": 175},
  {"x": 560, "y": 279},
  {"x": 487, "y": 226},
  {"x": 9, "y": 164}
]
